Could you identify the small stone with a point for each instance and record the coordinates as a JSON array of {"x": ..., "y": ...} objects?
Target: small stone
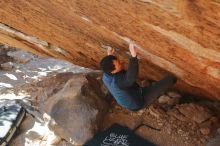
[
  {"x": 156, "y": 112},
  {"x": 164, "y": 99},
  {"x": 160, "y": 124},
  {"x": 175, "y": 126},
  {"x": 180, "y": 131},
  {"x": 214, "y": 119},
  {"x": 195, "y": 139},
  {"x": 8, "y": 66},
  {"x": 203, "y": 140},
  {"x": 140, "y": 112},
  {"x": 118, "y": 107},
  {"x": 33, "y": 135},
  {"x": 218, "y": 130},
  {"x": 174, "y": 94},
  {"x": 205, "y": 130},
  {"x": 145, "y": 83}
]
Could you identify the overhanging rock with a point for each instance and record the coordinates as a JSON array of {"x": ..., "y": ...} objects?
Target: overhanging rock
[{"x": 181, "y": 37}]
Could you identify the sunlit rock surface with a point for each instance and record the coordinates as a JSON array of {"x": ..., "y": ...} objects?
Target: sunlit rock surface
[
  {"x": 78, "y": 108},
  {"x": 181, "y": 37},
  {"x": 14, "y": 74}
]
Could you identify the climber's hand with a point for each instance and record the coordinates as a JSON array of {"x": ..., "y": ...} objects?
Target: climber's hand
[
  {"x": 110, "y": 50},
  {"x": 132, "y": 50}
]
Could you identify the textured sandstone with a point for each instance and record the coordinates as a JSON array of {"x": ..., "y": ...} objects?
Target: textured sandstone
[
  {"x": 20, "y": 56},
  {"x": 191, "y": 112},
  {"x": 77, "y": 109},
  {"x": 182, "y": 37}
]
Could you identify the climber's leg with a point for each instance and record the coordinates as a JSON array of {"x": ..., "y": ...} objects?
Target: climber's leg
[{"x": 151, "y": 93}]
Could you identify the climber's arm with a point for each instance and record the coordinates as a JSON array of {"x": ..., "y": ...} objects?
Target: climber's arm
[{"x": 130, "y": 76}]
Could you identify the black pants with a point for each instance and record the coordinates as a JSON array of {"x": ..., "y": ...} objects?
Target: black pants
[{"x": 152, "y": 92}]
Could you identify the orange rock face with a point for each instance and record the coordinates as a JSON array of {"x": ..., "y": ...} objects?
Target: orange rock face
[{"x": 181, "y": 37}]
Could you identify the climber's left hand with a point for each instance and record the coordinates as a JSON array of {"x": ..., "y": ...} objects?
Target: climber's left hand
[{"x": 110, "y": 50}]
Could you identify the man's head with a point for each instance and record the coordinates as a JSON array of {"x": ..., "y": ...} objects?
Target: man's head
[{"x": 111, "y": 64}]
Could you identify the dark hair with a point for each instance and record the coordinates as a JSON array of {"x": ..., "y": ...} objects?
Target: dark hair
[{"x": 107, "y": 65}]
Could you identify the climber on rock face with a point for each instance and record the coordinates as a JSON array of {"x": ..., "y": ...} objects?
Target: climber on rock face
[{"x": 122, "y": 85}]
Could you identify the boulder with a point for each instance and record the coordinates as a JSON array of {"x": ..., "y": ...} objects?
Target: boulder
[
  {"x": 77, "y": 109},
  {"x": 20, "y": 56},
  {"x": 63, "y": 106},
  {"x": 8, "y": 66}
]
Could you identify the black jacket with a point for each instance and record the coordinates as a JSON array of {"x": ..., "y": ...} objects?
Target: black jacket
[{"x": 127, "y": 79}]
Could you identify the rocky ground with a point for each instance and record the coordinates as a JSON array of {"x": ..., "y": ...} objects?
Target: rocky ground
[
  {"x": 179, "y": 124},
  {"x": 46, "y": 86}
]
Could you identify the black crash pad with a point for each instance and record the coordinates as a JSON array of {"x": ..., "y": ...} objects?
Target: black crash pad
[
  {"x": 11, "y": 115},
  {"x": 118, "y": 135}
]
